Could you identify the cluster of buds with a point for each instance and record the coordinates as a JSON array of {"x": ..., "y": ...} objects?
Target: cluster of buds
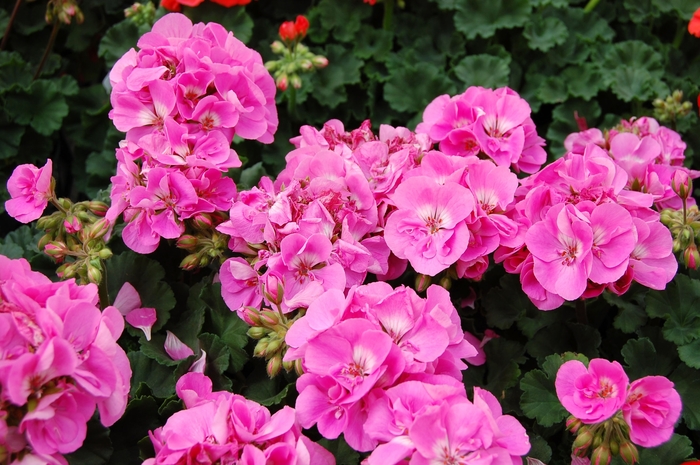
[
  {"x": 63, "y": 11},
  {"x": 269, "y": 328},
  {"x": 684, "y": 224},
  {"x": 141, "y": 14},
  {"x": 203, "y": 242},
  {"x": 295, "y": 57},
  {"x": 672, "y": 108},
  {"x": 75, "y": 238},
  {"x": 603, "y": 441}
]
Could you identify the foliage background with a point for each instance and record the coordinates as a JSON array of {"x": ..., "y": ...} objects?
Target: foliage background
[{"x": 605, "y": 61}]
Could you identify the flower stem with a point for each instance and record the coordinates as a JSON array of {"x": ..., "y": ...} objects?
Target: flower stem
[
  {"x": 388, "y": 14},
  {"x": 102, "y": 287},
  {"x": 581, "y": 315},
  {"x": 9, "y": 25},
  {"x": 590, "y": 6},
  {"x": 49, "y": 47},
  {"x": 291, "y": 100},
  {"x": 680, "y": 34}
]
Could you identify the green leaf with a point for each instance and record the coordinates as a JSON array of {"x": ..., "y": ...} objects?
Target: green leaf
[
  {"x": 10, "y": 138},
  {"x": 634, "y": 54},
  {"x": 561, "y": 337},
  {"x": 643, "y": 360},
  {"x": 141, "y": 415},
  {"x": 687, "y": 383},
  {"x": 690, "y": 354},
  {"x": 14, "y": 71},
  {"x": 479, "y": 18},
  {"x": 631, "y": 315},
  {"x": 411, "y": 89},
  {"x": 679, "y": 304},
  {"x": 251, "y": 176},
  {"x": 505, "y": 304},
  {"x": 641, "y": 10},
  {"x": 146, "y": 276},
  {"x": 343, "y": 18},
  {"x": 589, "y": 27},
  {"x": 631, "y": 83},
  {"x": 539, "y": 400},
  {"x": 539, "y": 448},
  {"x": 231, "y": 329},
  {"x": 157, "y": 377},
  {"x": 266, "y": 391},
  {"x": 674, "y": 451},
  {"x": 564, "y": 116},
  {"x": 343, "y": 453},
  {"x": 502, "y": 364},
  {"x": 544, "y": 33},
  {"x": 684, "y": 8},
  {"x": 23, "y": 240},
  {"x": 553, "y": 362},
  {"x": 97, "y": 447},
  {"x": 234, "y": 19},
  {"x": 217, "y": 362},
  {"x": 373, "y": 43},
  {"x": 483, "y": 70},
  {"x": 553, "y": 90},
  {"x": 117, "y": 41},
  {"x": 582, "y": 81},
  {"x": 329, "y": 82},
  {"x": 42, "y": 106}
]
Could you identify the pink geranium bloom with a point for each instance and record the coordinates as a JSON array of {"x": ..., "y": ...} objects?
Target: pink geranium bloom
[
  {"x": 30, "y": 189},
  {"x": 592, "y": 394},
  {"x": 239, "y": 284},
  {"x": 428, "y": 228},
  {"x": 561, "y": 249},
  {"x": 651, "y": 410},
  {"x": 614, "y": 237},
  {"x": 652, "y": 260}
]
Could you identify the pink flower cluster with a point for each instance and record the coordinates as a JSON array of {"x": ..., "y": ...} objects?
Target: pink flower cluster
[
  {"x": 492, "y": 123},
  {"x": 221, "y": 427},
  {"x": 30, "y": 189},
  {"x": 383, "y": 367},
  {"x": 59, "y": 359},
  {"x": 649, "y": 153},
  {"x": 650, "y": 406},
  {"x": 181, "y": 99},
  {"x": 587, "y": 231}
]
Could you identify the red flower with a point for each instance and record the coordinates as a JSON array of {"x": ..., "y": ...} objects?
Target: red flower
[
  {"x": 293, "y": 31},
  {"x": 174, "y": 5},
  {"x": 694, "y": 24},
  {"x": 230, "y": 3}
]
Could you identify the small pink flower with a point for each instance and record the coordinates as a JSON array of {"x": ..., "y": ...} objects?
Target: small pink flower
[
  {"x": 592, "y": 394},
  {"x": 30, "y": 189},
  {"x": 651, "y": 409}
]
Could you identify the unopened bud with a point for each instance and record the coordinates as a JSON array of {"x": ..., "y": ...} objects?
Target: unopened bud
[
  {"x": 288, "y": 365},
  {"x": 573, "y": 424},
  {"x": 99, "y": 228},
  {"x": 98, "y": 208},
  {"x": 274, "y": 346},
  {"x": 56, "y": 249},
  {"x": 105, "y": 254},
  {"x": 269, "y": 319},
  {"x": 601, "y": 455},
  {"x": 691, "y": 257},
  {"x": 256, "y": 332},
  {"x": 187, "y": 242},
  {"x": 273, "y": 366},
  {"x": 582, "y": 442},
  {"x": 45, "y": 239},
  {"x": 629, "y": 453},
  {"x": 277, "y": 47},
  {"x": 202, "y": 221},
  {"x": 190, "y": 262},
  {"x": 614, "y": 447},
  {"x": 306, "y": 65},
  {"x": 66, "y": 271},
  {"x": 93, "y": 274},
  {"x": 423, "y": 282},
  {"x": 273, "y": 289},
  {"x": 261, "y": 348},
  {"x": 251, "y": 316},
  {"x": 298, "y": 367},
  {"x": 295, "y": 81},
  {"x": 282, "y": 82},
  {"x": 319, "y": 61},
  {"x": 681, "y": 183},
  {"x": 446, "y": 282}
]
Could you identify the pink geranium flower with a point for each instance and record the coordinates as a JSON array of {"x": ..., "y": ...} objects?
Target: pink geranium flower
[
  {"x": 592, "y": 394},
  {"x": 651, "y": 410},
  {"x": 30, "y": 189}
]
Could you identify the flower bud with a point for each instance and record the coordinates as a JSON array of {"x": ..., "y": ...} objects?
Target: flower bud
[
  {"x": 298, "y": 367},
  {"x": 691, "y": 257},
  {"x": 187, "y": 242},
  {"x": 614, "y": 447},
  {"x": 94, "y": 275},
  {"x": 629, "y": 453},
  {"x": 446, "y": 282},
  {"x": 273, "y": 366},
  {"x": 301, "y": 24},
  {"x": 681, "y": 183},
  {"x": 256, "y": 332},
  {"x": 601, "y": 455},
  {"x": 269, "y": 319},
  {"x": 105, "y": 254},
  {"x": 295, "y": 81},
  {"x": 422, "y": 282},
  {"x": 582, "y": 442},
  {"x": 573, "y": 424},
  {"x": 56, "y": 249},
  {"x": 66, "y": 271},
  {"x": 274, "y": 346},
  {"x": 251, "y": 316},
  {"x": 282, "y": 82},
  {"x": 72, "y": 224},
  {"x": 99, "y": 229},
  {"x": 319, "y": 61},
  {"x": 277, "y": 47},
  {"x": 274, "y": 291},
  {"x": 45, "y": 239},
  {"x": 288, "y": 365},
  {"x": 202, "y": 221},
  {"x": 190, "y": 262},
  {"x": 261, "y": 348},
  {"x": 306, "y": 65}
]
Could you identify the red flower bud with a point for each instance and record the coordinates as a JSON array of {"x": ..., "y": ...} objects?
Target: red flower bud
[
  {"x": 302, "y": 25},
  {"x": 288, "y": 31}
]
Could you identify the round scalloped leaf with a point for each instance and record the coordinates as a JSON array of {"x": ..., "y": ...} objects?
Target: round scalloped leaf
[
  {"x": 483, "y": 18},
  {"x": 43, "y": 106},
  {"x": 411, "y": 89},
  {"x": 634, "y": 54},
  {"x": 483, "y": 70},
  {"x": 582, "y": 81},
  {"x": 544, "y": 33}
]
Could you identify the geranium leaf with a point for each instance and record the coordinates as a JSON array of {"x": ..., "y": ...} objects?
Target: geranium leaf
[
  {"x": 679, "y": 305},
  {"x": 483, "y": 70},
  {"x": 157, "y": 377},
  {"x": 539, "y": 400},
  {"x": 479, "y": 18},
  {"x": 146, "y": 276},
  {"x": 118, "y": 40},
  {"x": 234, "y": 19},
  {"x": 503, "y": 358},
  {"x": 97, "y": 447},
  {"x": 544, "y": 33},
  {"x": 553, "y": 90},
  {"x": 675, "y": 450},
  {"x": 410, "y": 89},
  {"x": 687, "y": 383},
  {"x": 329, "y": 83},
  {"x": 373, "y": 43},
  {"x": 43, "y": 106},
  {"x": 14, "y": 71},
  {"x": 631, "y": 315},
  {"x": 343, "y": 18},
  {"x": 642, "y": 359},
  {"x": 225, "y": 323},
  {"x": 141, "y": 416},
  {"x": 690, "y": 354},
  {"x": 505, "y": 304},
  {"x": 582, "y": 81}
]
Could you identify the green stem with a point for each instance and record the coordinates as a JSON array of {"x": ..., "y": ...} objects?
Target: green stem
[
  {"x": 680, "y": 34},
  {"x": 49, "y": 47},
  {"x": 291, "y": 100},
  {"x": 102, "y": 288},
  {"x": 581, "y": 315},
  {"x": 590, "y": 6},
  {"x": 9, "y": 25},
  {"x": 388, "y": 14}
]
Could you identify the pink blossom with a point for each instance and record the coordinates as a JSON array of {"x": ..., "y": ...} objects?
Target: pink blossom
[
  {"x": 592, "y": 394},
  {"x": 30, "y": 189},
  {"x": 651, "y": 410},
  {"x": 428, "y": 228},
  {"x": 652, "y": 261},
  {"x": 175, "y": 348}
]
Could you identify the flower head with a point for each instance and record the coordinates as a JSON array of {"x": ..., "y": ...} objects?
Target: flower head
[{"x": 30, "y": 189}]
